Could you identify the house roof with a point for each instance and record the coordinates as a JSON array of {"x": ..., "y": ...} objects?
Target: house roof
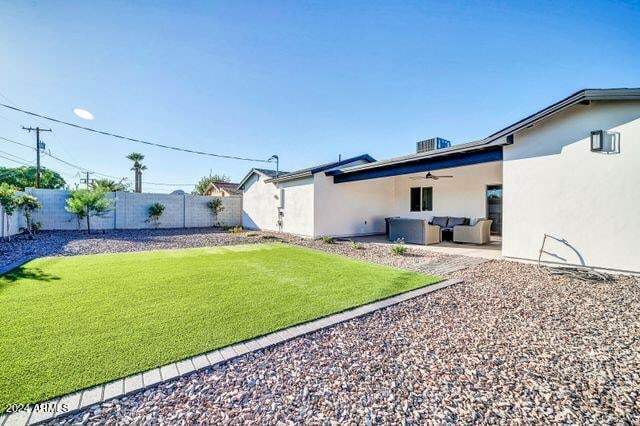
[
  {"x": 265, "y": 172},
  {"x": 501, "y": 137},
  {"x": 268, "y": 172},
  {"x": 231, "y": 188},
  {"x": 310, "y": 171}
]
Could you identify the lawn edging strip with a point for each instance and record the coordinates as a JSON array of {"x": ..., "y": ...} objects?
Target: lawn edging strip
[{"x": 79, "y": 400}]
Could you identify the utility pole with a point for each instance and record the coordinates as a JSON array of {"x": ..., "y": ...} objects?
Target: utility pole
[
  {"x": 39, "y": 146},
  {"x": 87, "y": 180}
]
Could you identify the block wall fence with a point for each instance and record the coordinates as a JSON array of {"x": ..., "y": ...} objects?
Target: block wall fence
[{"x": 130, "y": 211}]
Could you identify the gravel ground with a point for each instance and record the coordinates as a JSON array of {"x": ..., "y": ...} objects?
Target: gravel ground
[
  {"x": 511, "y": 344},
  {"x": 70, "y": 243}
]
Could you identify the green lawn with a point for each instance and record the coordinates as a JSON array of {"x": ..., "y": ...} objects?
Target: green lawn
[{"x": 72, "y": 322}]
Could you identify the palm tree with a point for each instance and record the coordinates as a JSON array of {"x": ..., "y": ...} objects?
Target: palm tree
[{"x": 136, "y": 157}]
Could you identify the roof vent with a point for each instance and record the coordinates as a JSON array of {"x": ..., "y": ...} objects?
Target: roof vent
[{"x": 431, "y": 145}]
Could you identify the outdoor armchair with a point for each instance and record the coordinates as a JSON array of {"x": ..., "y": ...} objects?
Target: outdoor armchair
[{"x": 480, "y": 233}]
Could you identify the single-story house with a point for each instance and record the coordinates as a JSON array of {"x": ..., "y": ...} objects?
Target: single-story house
[
  {"x": 570, "y": 171},
  {"x": 222, "y": 189}
]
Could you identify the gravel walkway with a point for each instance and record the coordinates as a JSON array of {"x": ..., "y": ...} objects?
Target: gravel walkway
[{"x": 512, "y": 344}]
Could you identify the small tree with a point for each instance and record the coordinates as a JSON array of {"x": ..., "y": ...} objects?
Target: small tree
[
  {"x": 29, "y": 204},
  {"x": 216, "y": 207},
  {"x": 8, "y": 203},
  {"x": 155, "y": 211},
  {"x": 85, "y": 204}
]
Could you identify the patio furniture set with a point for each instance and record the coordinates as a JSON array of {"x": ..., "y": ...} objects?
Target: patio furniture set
[{"x": 438, "y": 229}]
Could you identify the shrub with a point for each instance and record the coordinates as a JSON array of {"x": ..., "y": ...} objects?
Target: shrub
[
  {"x": 236, "y": 230},
  {"x": 155, "y": 211},
  {"x": 29, "y": 204},
  {"x": 85, "y": 204},
  {"x": 356, "y": 246},
  {"x": 328, "y": 240},
  {"x": 8, "y": 203},
  {"x": 216, "y": 207},
  {"x": 399, "y": 248}
]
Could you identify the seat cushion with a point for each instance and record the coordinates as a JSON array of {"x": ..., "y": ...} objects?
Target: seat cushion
[
  {"x": 454, "y": 221},
  {"x": 441, "y": 221}
]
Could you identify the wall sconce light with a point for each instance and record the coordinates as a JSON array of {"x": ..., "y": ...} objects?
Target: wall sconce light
[{"x": 597, "y": 140}]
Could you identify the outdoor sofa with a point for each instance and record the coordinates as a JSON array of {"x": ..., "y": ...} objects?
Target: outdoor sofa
[
  {"x": 446, "y": 225},
  {"x": 420, "y": 231},
  {"x": 413, "y": 231},
  {"x": 480, "y": 233}
]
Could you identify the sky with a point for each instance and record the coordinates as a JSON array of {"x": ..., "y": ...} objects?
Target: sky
[{"x": 306, "y": 80}]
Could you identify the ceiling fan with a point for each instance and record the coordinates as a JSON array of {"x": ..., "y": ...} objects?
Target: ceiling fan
[{"x": 430, "y": 176}]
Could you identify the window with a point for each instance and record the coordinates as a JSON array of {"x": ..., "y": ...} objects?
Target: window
[
  {"x": 427, "y": 199},
  {"x": 415, "y": 199},
  {"x": 421, "y": 199}
]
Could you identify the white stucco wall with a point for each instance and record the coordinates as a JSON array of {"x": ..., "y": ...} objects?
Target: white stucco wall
[
  {"x": 464, "y": 195},
  {"x": 302, "y": 215},
  {"x": 352, "y": 208},
  {"x": 298, "y": 211},
  {"x": 259, "y": 205},
  {"x": 554, "y": 184}
]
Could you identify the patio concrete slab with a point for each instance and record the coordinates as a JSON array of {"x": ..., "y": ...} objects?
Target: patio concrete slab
[{"x": 490, "y": 251}]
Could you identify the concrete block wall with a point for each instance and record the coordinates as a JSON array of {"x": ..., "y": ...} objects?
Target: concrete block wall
[
  {"x": 53, "y": 215},
  {"x": 130, "y": 211},
  {"x": 13, "y": 228}
]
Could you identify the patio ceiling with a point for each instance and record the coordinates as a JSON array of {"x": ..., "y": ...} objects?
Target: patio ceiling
[{"x": 453, "y": 159}]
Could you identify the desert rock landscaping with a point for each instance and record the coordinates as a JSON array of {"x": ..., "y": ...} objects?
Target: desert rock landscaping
[{"x": 510, "y": 344}]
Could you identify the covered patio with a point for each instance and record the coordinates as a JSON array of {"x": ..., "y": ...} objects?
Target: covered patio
[{"x": 431, "y": 192}]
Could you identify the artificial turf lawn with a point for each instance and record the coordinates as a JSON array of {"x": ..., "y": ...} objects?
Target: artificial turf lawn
[{"x": 68, "y": 323}]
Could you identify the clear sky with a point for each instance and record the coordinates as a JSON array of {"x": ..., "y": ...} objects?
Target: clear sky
[{"x": 305, "y": 80}]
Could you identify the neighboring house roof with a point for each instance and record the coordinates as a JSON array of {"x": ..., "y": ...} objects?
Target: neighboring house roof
[
  {"x": 501, "y": 137},
  {"x": 264, "y": 172},
  {"x": 230, "y": 188},
  {"x": 310, "y": 171}
]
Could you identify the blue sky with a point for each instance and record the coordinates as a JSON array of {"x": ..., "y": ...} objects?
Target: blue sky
[{"x": 305, "y": 80}]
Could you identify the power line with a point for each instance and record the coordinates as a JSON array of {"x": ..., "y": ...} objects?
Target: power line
[
  {"x": 17, "y": 143},
  {"x": 84, "y": 169},
  {"x": 75, "y": 166},
  {"x": 15, "y": 156},
  {"x": 175, "y": 148},
  {"x": 15, "y": 161}
]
